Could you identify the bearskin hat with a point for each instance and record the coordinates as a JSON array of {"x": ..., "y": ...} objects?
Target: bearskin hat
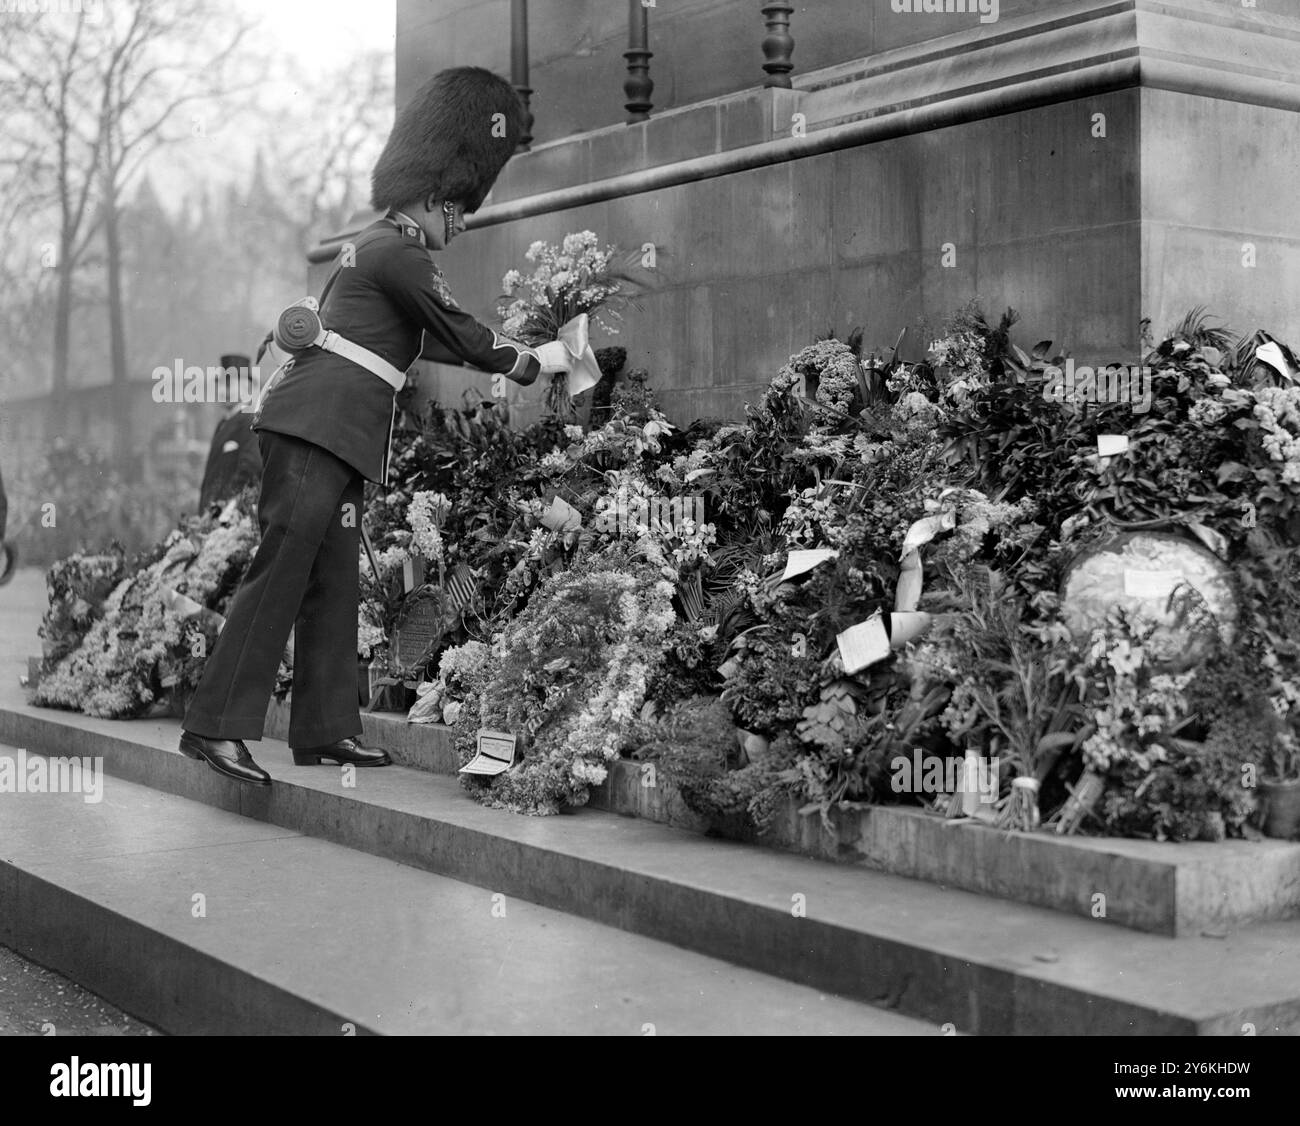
[{"x": 449, "y": 141}]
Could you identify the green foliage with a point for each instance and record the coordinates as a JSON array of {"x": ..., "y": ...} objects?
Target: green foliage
[
  {"x": 694, "y": 748},
  {"x": 1018, "y": 682},
  {"x": 1197, "y": 795}
]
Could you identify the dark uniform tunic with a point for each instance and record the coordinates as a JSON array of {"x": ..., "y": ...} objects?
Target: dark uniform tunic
[
  {"x": 385, "y": 302},
  {"x": 323, "y": 427}
]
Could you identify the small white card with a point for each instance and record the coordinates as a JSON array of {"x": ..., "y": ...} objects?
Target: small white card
[
  {"x": 561, "y": 516},
  {"x": 1272, "y": 355},
  {"x": 797, "y": 562},
  {"x": 1108, "y": 445},
  {"x": 496, "y": 752},
  {"x": 1151, "y": 584},
  {"x": 864, "y": 644}
]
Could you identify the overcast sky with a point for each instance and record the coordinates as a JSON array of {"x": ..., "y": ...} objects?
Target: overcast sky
[
  {"x": 320, "y": 35},
  {"x": 326, "y": 30}
]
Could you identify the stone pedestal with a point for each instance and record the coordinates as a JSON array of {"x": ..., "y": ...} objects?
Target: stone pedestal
[{"x": 1090, "y": 162}]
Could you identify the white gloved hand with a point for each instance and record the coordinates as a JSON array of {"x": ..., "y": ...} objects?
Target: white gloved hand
[{"x": 554, "y": 357}]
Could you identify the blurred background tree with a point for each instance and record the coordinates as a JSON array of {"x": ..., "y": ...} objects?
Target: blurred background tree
[{"x": 164, "y": 168}]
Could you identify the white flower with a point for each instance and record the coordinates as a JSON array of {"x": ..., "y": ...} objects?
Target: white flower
[
  {"x": 369, "y": 636},
  {"x": 389, "y": 559},
  {"x": 425, "y": 515},
  {"x": 574, "y": 244}
]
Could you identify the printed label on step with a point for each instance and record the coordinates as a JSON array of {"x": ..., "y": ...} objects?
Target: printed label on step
[{"x": 496, "y": 751}]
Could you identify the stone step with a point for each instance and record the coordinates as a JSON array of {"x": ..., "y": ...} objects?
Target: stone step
[
  {"x": 1171, "y": 889},
  {"x": 201, "y": 921},
  {"x": 980, "y": 964}
]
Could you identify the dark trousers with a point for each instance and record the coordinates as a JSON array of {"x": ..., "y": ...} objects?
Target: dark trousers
[{"x": 303, "y": 577}]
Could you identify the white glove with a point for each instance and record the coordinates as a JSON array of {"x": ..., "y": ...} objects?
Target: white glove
[{"x": 554, "y": 357}]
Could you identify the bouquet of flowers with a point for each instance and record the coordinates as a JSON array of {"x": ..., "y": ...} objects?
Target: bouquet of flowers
[
  {"x": 576, "y": 277},
  {"x": 462, "y": 668}
]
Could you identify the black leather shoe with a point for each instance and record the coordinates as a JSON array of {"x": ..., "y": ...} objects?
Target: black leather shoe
[
  {"x": 226, "y": 756},
  {"x": 344, "y": 751}
]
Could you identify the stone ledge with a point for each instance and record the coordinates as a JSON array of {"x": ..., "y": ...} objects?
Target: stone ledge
[
  {"x": 1170, "y": 889},
  {"x": 941, "y": 954},
  {"x": 1068, "y": 52}
]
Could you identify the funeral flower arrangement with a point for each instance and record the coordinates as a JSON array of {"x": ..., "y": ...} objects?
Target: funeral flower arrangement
[
  {"x": 127, "y": 637},
  {"x": 886, "y": 567},
  {"x": 965, "y": 510},
  {"x": 570, "y": 674}
]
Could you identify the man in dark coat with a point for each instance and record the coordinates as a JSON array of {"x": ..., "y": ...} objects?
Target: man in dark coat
[
  {"x": 233, "y": 458},
  {"x": 8, "y": 556},
  {"x": 325, "y": 426}
]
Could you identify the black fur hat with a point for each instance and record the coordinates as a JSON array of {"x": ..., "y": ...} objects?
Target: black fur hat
[{"x": 449, "y": 141}]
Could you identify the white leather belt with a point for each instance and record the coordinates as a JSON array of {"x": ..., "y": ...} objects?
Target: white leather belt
[{"x": 341, "y": 346}]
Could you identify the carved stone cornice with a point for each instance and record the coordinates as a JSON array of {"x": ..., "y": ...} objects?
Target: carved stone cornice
[{"x": 1072, "y": 50}]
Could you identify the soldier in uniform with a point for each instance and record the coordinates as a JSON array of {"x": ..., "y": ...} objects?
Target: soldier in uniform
[
  {"x": 325, "y": 426},
  {"x": 233, "y": 458}
]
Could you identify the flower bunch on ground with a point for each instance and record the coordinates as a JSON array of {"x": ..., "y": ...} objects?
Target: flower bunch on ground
[
  {"x": 569, "y": 673},
  {"x": 152, "y": 634}
]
